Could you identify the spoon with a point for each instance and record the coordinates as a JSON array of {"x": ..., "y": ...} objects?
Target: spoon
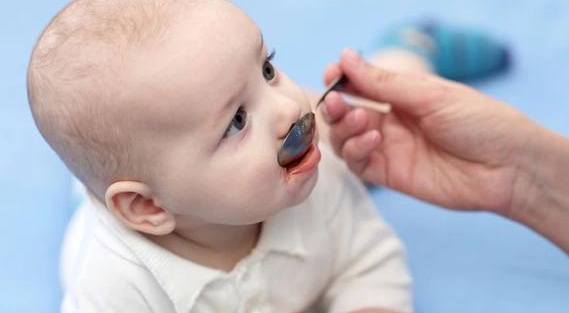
[{"x": 301, "y": 134}]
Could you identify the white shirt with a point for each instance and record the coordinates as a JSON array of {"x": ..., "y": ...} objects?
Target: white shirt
[{"x": 331, "y": 253}]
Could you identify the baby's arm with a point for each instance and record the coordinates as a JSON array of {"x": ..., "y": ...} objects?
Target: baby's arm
[{"x": 370, "y": 270}]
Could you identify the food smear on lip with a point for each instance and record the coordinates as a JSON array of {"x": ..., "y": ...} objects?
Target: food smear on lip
[{"x": 307, "y": 163}]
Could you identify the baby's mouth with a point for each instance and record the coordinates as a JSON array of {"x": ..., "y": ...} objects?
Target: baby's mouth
[{"x": 298, "y": 141}]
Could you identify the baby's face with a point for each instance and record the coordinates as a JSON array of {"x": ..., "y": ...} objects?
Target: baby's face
[{"x": 216, "y": 113}]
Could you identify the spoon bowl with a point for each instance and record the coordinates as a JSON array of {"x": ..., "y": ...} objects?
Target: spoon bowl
[{"x": 298, "y": 140}]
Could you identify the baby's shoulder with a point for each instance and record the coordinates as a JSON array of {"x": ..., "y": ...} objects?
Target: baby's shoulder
[
  {"x": 92, "y": 253},
  {"x": 98, "y": 268}
]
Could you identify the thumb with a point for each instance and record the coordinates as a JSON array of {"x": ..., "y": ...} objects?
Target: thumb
[{"x": 416, "y": 94}]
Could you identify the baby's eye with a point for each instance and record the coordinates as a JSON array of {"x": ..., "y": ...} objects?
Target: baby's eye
[
  {"x": 237, "y": 123},
  {"x": 269, "y": 72}
]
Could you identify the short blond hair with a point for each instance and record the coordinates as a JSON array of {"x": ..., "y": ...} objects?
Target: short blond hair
[{"x": 75, "y": 75}]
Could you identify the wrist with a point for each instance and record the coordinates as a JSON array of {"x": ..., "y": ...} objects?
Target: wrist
[{"x": 540, "y": 194}]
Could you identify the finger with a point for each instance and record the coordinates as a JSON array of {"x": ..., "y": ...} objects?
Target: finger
[
  {"x": 357, "y": 150},
  {"x": 334, "y": 107},
  {"x": 417, "y": 94},
  {"x": 332, "y": 72},
  {"x": 354, "y": 123}
]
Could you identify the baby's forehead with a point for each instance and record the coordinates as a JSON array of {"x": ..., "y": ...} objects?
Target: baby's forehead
[
  {"x": 212, "y": 31},
  {"x": 203, "y": 45},
  {"x": 213, "y": 20},
  {"x": 200, "y": 64}
]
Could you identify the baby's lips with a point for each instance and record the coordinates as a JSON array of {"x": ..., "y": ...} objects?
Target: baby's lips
[{"x": 298, "y": 140}]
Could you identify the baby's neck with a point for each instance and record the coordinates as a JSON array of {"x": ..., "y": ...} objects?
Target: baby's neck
[{"x": 215, "y": 246}]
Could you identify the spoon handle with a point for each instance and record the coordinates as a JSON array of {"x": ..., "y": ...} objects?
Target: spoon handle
[
  {"x": 379, "y": 107},
  {"x": 337, "y": 85}
]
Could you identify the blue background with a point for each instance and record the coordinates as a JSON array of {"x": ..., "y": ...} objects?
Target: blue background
[{"x": 461, "y": 262}]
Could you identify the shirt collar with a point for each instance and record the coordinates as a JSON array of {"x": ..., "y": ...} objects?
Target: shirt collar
[{"x": 183, "y": 280}]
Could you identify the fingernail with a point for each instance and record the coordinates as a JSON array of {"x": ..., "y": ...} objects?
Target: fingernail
[{"x": 352, "y": 58}]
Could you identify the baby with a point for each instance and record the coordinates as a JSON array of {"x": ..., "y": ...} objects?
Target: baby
[{"x": 171, "y": 113}]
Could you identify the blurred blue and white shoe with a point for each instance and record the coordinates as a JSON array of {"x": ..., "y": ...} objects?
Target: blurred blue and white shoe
[{"x": 457, "y": 54}]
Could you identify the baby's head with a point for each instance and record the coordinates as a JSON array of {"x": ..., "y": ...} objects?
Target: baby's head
[{"x": 169, "y": 111}]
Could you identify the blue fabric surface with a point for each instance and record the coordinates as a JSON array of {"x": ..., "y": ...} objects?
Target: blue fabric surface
[{"x": 460, "y": 262}]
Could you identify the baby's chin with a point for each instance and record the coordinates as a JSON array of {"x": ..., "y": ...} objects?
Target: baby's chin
[
  {"x": 299, "y": 191},
  {"x": 297, "y": 197}
]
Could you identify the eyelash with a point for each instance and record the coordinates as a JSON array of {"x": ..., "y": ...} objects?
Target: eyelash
[
  {"x": 271, "y": 56},
  {"x": 243, "y": 120}
]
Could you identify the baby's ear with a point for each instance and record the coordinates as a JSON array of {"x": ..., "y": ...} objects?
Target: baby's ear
[{"x": 132, "y": 203}]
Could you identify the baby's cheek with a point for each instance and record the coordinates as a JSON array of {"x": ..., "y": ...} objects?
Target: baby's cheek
[
  {"x": 266, "y": 176},
  {"x": 266, "y": 173}
]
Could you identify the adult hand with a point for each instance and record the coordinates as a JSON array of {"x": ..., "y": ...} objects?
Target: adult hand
[{"x": 443, "y": 142}]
